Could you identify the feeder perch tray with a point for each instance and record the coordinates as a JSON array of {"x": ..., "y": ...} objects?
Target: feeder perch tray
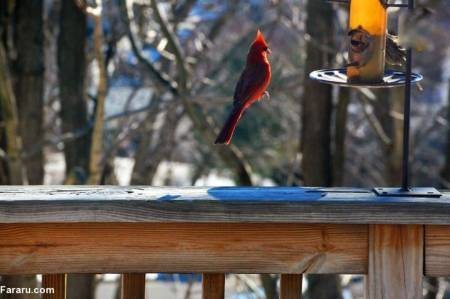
[
  {"x": 411, "y": 192},
  {"x": 339, "y": 77},
  {"x": 388, "y": 4}
]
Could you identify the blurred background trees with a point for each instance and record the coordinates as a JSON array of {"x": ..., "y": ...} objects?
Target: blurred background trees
[{"x": 132, "y": 92}]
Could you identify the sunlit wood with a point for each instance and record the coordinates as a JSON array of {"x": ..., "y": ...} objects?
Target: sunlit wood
[{"x": 395, "y": 262}]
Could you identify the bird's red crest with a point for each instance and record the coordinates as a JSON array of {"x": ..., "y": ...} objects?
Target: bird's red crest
[{"x": 260, "y": 38}]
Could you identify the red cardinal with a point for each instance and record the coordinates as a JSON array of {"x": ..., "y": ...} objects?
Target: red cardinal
[{"x": 251, "y": 86}]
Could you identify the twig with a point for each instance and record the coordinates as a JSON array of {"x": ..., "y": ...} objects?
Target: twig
[
  {"x": 250, "y": 284},
  {"x": 174, "y": 45},
  {"x": 182, "y": 11},
  {"x": 374, "y": 122},
  {"x": 162, "y": 78},
  {"x": 97, "y": 134}
]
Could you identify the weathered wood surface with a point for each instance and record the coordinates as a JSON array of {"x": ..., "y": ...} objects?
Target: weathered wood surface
[
  {"x": 291, "y": 286},
  {"x": 213, "y": 286},
  {"x": 133, "y": 286},
  {"x": 182, "y": 247},
  {"x": 34, "y": 204},
  {"x": 58, "y": 282},
  {"x": 395, "y": 262},
  {"x": 437, "y": 250}
]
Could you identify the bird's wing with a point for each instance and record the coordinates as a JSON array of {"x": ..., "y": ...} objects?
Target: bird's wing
[
  {"x": 395, "y": 54},
  {"x": 251, "y": 80}
]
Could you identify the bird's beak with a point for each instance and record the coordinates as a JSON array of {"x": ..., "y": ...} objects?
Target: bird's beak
[{"x": 269, "y": 51}]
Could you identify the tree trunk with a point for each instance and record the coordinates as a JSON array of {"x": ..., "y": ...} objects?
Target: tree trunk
[
  {"x": 80, "y": 286},
  {"x": 317, "y": 99},
  {"x": 269, "y": 284},
  {"x": 71, "y": 76},
  {"x": 10, "y": 120},
  {"x": 445, "y": 175},
  {"x": 145, "y": 165},
  {"x": 339, "y": 136},
  {"x": 446, "y": 169},
  {"x": 323, "y": 286},
  {"x": 29, "y": 40},
  {"x": 432, "y": 288},
  {"x": 316, "y": 129},
  {"x": 13, "y": 150}
]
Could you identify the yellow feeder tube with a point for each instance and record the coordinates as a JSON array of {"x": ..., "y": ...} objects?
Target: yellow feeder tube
[{"x": 367, "y": 22}]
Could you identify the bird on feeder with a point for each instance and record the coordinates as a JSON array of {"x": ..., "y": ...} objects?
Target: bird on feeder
[
  {"x": 361, "y": 41},
  {"x": 395, "y": 54},
  {"x": 361, "y": 47}
]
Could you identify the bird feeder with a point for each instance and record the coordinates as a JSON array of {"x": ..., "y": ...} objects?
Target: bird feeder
[
  {"x": 366, "y": 68},
  {"x": 367, "y": 41}
]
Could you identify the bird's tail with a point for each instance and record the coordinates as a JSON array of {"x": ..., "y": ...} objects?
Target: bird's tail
[{"x": 230, "y": 125}]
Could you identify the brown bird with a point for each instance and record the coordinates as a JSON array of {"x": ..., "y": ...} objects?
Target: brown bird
[{"x": 395, "y": 54}]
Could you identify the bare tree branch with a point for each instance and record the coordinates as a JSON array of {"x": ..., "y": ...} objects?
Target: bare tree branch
[
  {"x": 174, "y": 44},
  {"x": 374, "y": 122},
  {"x": 181, "y": 11},
  {"x": 162, "y": 78}
]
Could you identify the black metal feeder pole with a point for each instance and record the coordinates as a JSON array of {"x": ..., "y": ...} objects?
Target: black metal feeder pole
[{"x": 407, "y": 114}]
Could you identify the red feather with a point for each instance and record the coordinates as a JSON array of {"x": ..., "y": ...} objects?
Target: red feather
[{"x": 251, "y": 86}]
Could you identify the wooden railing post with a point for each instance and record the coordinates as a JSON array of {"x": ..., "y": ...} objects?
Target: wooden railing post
[
  {"x": 291, "y": 286},
  {"x": 213, "y": 286},
  {"x": 133, "y": 286},
  {"x": 58, "y": 284},
  {"x": 395, "y": 262}
]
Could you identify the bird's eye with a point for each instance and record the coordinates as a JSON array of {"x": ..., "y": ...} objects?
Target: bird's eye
[{"x": 355, "y": 42}]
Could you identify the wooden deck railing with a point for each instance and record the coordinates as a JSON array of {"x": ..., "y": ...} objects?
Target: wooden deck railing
[{"x": 291, "y": 231}]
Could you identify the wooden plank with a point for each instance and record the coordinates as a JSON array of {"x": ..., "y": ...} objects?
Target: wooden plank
[
  {"x": 32, "y": 204},
  {"x": 213, "y": 286},
  {"x": 182, "y": 247},
  {"x": 291, "y": 286},
  {"x": 133, "y": 286},
  {"x": 437, "y": 250},
  {"x": 395, "y": 262},
  {"x": 57, "y": 282}
]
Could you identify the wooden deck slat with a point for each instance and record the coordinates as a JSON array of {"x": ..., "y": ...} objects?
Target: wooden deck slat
[
  {"x": 44, "y": 204},
  {"x": 291, "y": 286},
  {"x": 395, "y": 262},
  {"x": 182, "y": 247},
  {"x": 213, "y": 286},
  {"x": 133, "y": 286},
  {"x": 58, "y": 282},
  {"x": 437, "y": 250}
]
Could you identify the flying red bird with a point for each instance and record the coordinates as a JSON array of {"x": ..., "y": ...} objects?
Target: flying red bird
[{"x": 251, "y": 86}]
